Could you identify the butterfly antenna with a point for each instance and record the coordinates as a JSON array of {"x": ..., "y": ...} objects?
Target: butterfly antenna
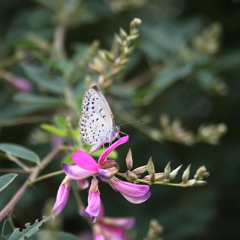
[{"x": 130, "y": 122}]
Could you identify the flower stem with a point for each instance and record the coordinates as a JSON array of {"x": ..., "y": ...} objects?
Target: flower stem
[{"x": 47, "y": 176}]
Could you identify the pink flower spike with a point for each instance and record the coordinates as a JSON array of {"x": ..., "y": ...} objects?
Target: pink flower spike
[
  {"x": 105, "y": 154},
  {"x": 85, "y": 161},
  {"x": 94, "y": 201},
  {"x": 137, "y": 200},
  {"x": 62, "y": 195},
  {"x": 82, "y": 183},
  {"x": 130, "y": 189},
  {"x": 75, "y": 172}
]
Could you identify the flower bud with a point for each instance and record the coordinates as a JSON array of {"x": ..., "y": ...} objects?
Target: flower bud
[
  {"x": 118, "y": 39},
  {"x": 123, "y": 34},
  {"x": 167, "y": 170},
  {"x": 185, "y": 175},
  {"x": 140, "y": 170},
  {"x": 94, "y": 69},
  {"x": 160, "y": 177},
  {"x": 201, "y": 173},
  {"x": 130, "y": 176},
  {"x": 129, "y": 160},
  {"x": 173, "y": 174},
  {"x": 135, "y": 23},
  {"x": 151, "y": 170}
]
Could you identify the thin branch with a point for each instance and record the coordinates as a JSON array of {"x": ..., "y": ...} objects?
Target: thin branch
[
  {"x": 59, "y": 38},
  {"x": 9, "y": 207},
  {"x": 48, "y": 176},
  {"x": 11, "y": 170}
]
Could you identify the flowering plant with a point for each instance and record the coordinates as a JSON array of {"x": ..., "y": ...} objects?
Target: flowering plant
[{"x": 45, "y": 78}]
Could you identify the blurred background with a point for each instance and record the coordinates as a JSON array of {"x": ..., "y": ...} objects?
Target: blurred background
[{"x": 182, "y": 80}]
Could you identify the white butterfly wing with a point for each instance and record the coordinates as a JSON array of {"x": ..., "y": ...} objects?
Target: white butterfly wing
[{"x": 96, "y": 125}]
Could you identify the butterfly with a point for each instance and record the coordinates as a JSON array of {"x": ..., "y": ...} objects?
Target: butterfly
[{"x": 97, "y": 125}]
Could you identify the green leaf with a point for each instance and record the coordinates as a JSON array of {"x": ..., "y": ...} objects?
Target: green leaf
[
  {"x": 55, "y": 235},
  {"x": 54, "y": 130},
  {"x": 31, "y": 98},
  {"x": 6, "y": 179},
  {"x": 29, "y": 231},
  {"x": 60, "y": 122},
  {"x": 7, "y": 229},
  {"x": 41, "y": 77},
  {"x": 13, "y": 110},
  {"x": 20, "y": 152},
  {"x": 67, "y": 159}
]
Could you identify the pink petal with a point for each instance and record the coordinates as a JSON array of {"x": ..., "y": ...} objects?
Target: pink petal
[
  {"x": 113, "y": 231},
  {"x": 104, "y": 174},
  {"x": 137, "y": 200},
  {"x": 61, "y": 199},
  {"x": 105, "y": 154},
  {"x": 99, "y": 237},
  {"x": 85, "y": 161},
  {"x": 83, "y": 183},
  {"x": 123, "y": 223},
  {"x": 75, "y": 172},
  {"x": 94, "y": 204},
  {"x": 130, "y": 189}
]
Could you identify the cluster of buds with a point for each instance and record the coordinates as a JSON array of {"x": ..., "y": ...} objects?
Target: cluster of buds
[
  {"x": 208, "y": 41},
  {"x": 110, "y": 63},
  {"x": 155, "y": 231},
  {"x": 165, "y": 177},
  {"x": 206, "y": 133}
]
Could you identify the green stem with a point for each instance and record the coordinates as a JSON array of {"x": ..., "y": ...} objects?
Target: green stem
[
  {"x": 47, "y": 176},
  {"x": 159, "y": 183},
  {"x": 22, "y": 165}
]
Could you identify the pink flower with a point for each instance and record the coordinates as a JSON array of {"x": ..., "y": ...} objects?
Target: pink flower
[
  {"x": 94, "y": 201},
  {"x": 134, "y": 193},
  {"x": 86, "y": 166},
  {"x": 105, "y": 170},
  {"x": 62, "y": 195},
  {"x": 107, "y": 228}
]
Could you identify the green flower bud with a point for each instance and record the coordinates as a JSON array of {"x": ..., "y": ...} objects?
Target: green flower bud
[
  {"x": 185, "y": 175},
  {"x": 130, "y": 176},
  {"x": 201, "y": 173},
  {"x": 123, "y": 34},
  {"x": 135, "y": 23},
  {"x": 173, "y": 174},
  {"x": 167, "y": 170}
]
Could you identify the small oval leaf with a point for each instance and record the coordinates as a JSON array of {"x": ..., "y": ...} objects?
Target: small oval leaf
[
  {"x": 20, "y": 152},
  {"x": 6, "y": 179}
]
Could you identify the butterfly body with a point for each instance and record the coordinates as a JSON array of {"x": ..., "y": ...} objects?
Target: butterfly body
[{"x": 97, "y": 125}]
